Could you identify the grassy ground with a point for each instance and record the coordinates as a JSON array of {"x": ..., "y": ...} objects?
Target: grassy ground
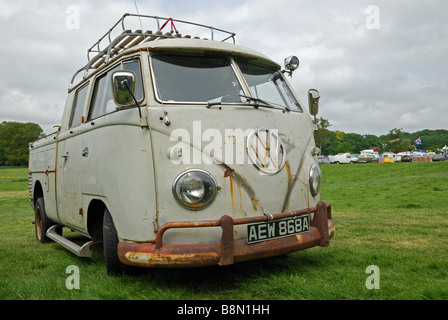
[{"x": 393, "y": 216}]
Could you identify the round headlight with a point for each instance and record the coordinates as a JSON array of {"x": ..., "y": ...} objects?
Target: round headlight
[
  {"x": 315, "y": 179},
  {"x": 194, "y": 189}
]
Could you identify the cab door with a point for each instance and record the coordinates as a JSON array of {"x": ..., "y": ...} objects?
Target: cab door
[{"x": 69, "y": 158}]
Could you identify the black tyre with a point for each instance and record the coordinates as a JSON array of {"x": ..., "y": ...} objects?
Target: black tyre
[
  {"x": 110, "y": 246},
  {"x": 41, "y": 221}
]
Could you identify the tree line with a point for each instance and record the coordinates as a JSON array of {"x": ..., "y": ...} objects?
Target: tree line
[
  {"x": 397, "y": 140},
  {"x": 14, "y": 140}
]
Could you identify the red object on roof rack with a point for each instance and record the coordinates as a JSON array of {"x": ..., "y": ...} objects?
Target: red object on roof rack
[{"x": 172, "y": 25}]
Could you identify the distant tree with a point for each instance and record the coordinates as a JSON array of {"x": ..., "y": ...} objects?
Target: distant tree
[
  {"x": 430, "y": 138},
  {"x": 339, "y": 135},
  {"x": 2, "y": 156},
  {"x": 321, "y": 136},
  {"x": 371, "y": 142},
  {"x": 332, "y": 144},
  {"x": 355, "y": 140},
  {"x": 14, "y": 140},
  {"x": 436, "y": 148},
  {"x": 344, "y": 147},
  {"x": 395, "y": 141}
]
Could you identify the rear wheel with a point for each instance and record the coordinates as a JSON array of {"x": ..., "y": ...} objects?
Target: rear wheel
[
  {"x": 110, "y": 246},
  {"x": 42, "y": 223}
]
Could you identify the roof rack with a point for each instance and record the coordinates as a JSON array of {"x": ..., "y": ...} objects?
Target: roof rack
[{"x": 128, "y": 39}]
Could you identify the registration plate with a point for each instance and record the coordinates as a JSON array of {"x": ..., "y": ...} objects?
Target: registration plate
[{"x": 278, "y": 228}]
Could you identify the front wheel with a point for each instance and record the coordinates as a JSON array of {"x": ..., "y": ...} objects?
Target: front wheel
[{"x": 110, "y": 246}]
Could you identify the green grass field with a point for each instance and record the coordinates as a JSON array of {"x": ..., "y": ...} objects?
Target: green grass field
[{"x": 392, "y": 216}]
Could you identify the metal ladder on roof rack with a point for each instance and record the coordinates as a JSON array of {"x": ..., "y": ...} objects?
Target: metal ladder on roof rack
[{"x": 128, "y": 39}]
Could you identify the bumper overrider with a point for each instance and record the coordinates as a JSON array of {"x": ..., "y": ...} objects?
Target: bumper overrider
[{"x": 228, "y": 250}]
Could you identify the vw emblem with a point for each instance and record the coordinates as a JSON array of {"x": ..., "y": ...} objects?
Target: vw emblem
[{"x": 266, "y": 150}]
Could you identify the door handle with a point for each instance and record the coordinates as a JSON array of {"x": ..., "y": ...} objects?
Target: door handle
[
  {"x": 85, "y": 152},
  {"x": 65, "y": 156}
]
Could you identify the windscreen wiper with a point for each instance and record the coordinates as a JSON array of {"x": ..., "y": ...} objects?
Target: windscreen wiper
[
  {"x": 260, "y": 102},
  {"x": 211, "y": 104}
]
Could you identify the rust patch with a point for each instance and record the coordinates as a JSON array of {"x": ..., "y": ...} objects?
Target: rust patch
[
  {"x": 228, "y": 171},
  {"x": 242, "y": 182},
  {"x": 147, "y": 258},
  {"x": 227, "y": 249},
  {"x": 307, "y": 197},
  {"x": 288, "y": 171},
  {"x": 231, "y": 195}
]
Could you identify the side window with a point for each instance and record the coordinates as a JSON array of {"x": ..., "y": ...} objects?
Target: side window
[
  {"x": 102, "y": 100},
  {"x": 134, "y": 65},
  {"x": 78, "y": 106}
]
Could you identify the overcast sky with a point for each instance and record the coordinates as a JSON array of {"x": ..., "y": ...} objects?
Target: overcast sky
[{"x": 378, "y": 64}]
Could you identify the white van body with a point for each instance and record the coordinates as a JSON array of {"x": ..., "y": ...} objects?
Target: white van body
[
  {"x": 345, "y": 158},
  {"x": 200, "y": 171}
]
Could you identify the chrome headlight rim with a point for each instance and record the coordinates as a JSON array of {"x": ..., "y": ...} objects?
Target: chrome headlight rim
[
  {"x": 211, "y": 189},
  {"x": 292, "y": 63},
  {"x": 315, "y": 179}
]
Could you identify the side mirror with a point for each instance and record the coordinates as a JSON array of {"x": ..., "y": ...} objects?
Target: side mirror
[
  {"x": 313, "y": 101},
  {"x": 123, "y": 87}
]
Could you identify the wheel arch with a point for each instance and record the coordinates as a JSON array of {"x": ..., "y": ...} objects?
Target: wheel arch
[
  {"x": 38, "y": 192},
  {"x": 95, "y": 214}
]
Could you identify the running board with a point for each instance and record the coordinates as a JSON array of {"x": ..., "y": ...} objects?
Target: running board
[{"x": 81, "y": 251}]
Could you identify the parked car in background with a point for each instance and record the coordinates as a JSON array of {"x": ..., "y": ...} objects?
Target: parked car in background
[
  {"x": 438, "y": 157},
  {"x": 419, "y": 154},
  {"x": 323, "y": 160},
  {"x": 406, "y": 158},
  {"x": 345, "y": 158},
  {"x": 368, "y": 156}
]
